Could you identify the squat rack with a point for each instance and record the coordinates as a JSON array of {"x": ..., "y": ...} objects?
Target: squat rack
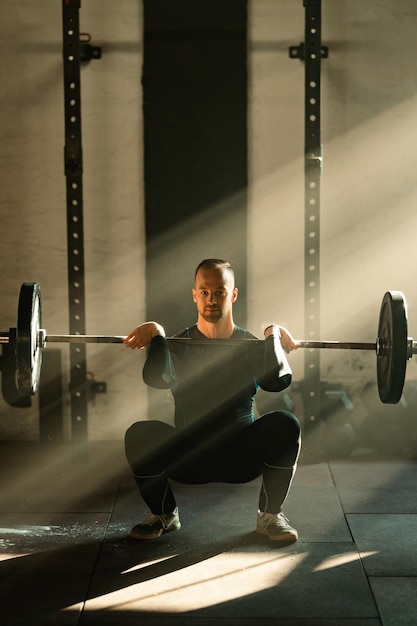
[
  {"x": 311, "y": 52},
  {"x": 75, "y": 231}
]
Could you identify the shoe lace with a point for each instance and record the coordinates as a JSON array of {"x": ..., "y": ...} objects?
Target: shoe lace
[
  {"x": 284, "y": 522},
  {"x": 278, "y": 519},
  {"x": 151, "y": 518}
]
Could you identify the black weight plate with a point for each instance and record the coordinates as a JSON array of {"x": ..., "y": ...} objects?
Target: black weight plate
[
  {"x": 391, "y": 357},
  {"x": 28, "y": 350}
]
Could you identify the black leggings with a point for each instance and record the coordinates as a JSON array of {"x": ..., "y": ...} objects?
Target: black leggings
[{"x": 269, "y": 447}]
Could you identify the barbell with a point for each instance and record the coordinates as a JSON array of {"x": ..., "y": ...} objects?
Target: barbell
[{"x": 393, "y": 347}]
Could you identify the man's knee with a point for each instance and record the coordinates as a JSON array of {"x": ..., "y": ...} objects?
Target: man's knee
[
  {"x": 144, "y": 438},
  {"x": 282, "y": 423},
  {"x": 134, "y": 434},
  {"x": 283, "y": 434}
]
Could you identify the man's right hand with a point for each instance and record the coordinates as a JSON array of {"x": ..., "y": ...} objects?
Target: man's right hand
[{"x": 143, "y": 334}]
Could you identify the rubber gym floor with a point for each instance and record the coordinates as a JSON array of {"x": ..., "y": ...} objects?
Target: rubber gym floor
[{"x": 66, "y": 558}]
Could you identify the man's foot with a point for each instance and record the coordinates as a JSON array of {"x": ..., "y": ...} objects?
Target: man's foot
[
  {"x": 153, "y": 526},
  {"x": 276, "y": 527}
]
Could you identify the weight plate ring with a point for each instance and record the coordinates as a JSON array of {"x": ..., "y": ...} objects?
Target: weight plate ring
[
  {"x": 392, "y": 343},
  {"x": 28, "y": 348}
]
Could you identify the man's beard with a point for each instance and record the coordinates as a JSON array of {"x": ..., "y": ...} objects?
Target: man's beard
[{"x": 212, "y": 315}]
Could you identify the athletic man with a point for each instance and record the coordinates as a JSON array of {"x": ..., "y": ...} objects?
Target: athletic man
[{"x": 216, "y": 437}]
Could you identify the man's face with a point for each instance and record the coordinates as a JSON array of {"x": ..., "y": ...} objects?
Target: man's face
[{"x": 214, "y": 294}]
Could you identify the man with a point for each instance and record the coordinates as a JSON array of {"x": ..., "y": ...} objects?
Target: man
[{"x": 216, "y": 438}]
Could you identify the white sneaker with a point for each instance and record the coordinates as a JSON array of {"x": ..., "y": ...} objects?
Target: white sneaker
[
  {"x": 153, "y": 526},
  {"x": 276, "y": 526}
]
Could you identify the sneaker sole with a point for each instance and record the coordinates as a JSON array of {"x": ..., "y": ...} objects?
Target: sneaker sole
[
  {"x": 284, "y": 537},
  {"x": 148, "y": 537}
]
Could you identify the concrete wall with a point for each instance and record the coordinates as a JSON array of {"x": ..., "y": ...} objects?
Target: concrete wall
[
  {"x": 368, "y": 186},
  {"x": 33, "y": 202},
  {"x": 369, "y": 193}
]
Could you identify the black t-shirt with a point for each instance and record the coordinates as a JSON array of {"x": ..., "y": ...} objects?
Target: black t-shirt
[{"x": 214, "y": 382}]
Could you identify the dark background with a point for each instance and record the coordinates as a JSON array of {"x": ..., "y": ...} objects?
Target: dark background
[{"x": 195, "y": 149}]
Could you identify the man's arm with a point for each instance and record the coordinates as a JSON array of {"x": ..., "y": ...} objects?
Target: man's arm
[
  {"x": 158, "y": 369},
  {"x": 277, "y": 373}
]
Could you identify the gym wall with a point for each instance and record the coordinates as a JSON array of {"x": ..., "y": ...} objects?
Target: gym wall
[{"x": 368, "y": 191}]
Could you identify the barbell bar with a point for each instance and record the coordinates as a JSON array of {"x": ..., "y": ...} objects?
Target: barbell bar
[{"x": 393, "y": 347}]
